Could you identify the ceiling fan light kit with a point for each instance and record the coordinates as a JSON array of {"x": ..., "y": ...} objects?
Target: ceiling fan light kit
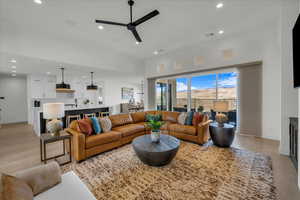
[{"x": 131, "y": 26}]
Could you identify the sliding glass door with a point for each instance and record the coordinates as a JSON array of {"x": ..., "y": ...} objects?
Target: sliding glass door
[
  {"x": 203, "y": 92},
  {"x": 198, "y": 93}
]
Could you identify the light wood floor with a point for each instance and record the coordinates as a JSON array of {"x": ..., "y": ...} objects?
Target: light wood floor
[{"x": 19, "y": 149}]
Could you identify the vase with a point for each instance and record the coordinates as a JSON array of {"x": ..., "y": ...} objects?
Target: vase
[{"x": 155, "y": 136}]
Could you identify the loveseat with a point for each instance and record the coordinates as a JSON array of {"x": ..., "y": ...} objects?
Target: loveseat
[{"x": 126, "y": 127}]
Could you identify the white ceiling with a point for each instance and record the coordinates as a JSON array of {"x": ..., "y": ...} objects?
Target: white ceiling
[{"x": 180, "y": 23}]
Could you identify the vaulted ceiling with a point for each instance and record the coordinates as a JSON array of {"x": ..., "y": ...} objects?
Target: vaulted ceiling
[{"x": 64, "y": 30}]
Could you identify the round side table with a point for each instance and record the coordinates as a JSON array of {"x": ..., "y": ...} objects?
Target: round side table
[{"x": 222, "y": 136}]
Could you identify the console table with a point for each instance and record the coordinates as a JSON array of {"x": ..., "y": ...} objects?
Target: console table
[{"x": 293, "y": 133}]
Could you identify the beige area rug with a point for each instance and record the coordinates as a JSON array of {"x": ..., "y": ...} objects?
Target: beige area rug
[{"x": 195, "y": 173}]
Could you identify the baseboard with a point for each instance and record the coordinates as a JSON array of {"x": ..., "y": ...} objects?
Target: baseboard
[{"x": 15, "y": 123}]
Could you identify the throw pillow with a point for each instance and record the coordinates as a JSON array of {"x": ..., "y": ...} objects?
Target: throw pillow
[
  {"x": 153, "y": 117},
  {"x": 197, "y": 119},
  {"x": 85, "y": 126},
  {"x": 189, "y": 118},
  {"x": 15, "y": 189},
  {"x": 96, "y": 125},
  {"x": 106, "y": 124},
  {"x": 181, "y": 118}
]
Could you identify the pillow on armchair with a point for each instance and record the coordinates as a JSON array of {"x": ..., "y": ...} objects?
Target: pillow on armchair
[{"x": 15, "y": 188}]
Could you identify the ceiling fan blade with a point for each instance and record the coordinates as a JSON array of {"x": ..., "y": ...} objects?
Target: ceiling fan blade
[
  {"x": 136, "y": 35},
  {"x": 146, "y": 17},
  {"x": 110, "y": 23}
]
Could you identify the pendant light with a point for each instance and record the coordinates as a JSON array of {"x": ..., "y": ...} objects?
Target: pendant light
[
  {"x": 62, "y": 85},
  {"x": 92, "y": 86}
]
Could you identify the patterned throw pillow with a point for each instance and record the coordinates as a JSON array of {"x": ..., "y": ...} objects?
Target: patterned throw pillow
[
  {"x": 96, "y": 125},
  {"x": 189, "y": 118},
  {"x": 197, "y": 119},
  {"x": 153, "y": 117},
  {"x": 15, "y": 188},
  {"x": 181, "y": 118},
  {"x": 85, "y": 126},
  {"x": 105, "y": 124}
]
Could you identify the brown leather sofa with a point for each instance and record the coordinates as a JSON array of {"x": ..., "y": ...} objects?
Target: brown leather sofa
[{"x": 126, "y": 127}]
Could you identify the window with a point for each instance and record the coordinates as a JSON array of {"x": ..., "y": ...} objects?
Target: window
[
  {"x": 181, "y": 100},
  {"x": 203, "y": 91},
  {"x": 227, "y": 88}
]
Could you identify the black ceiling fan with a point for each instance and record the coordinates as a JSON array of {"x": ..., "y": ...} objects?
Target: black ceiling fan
[{"x": 132, "y": 25}]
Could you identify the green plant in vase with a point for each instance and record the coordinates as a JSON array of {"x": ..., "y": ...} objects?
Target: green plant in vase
[{"x": 155, "y": 126}]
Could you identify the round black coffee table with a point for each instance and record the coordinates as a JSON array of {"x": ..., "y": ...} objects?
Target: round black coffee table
[
  {"x": 156, "y": 154},
  {"x": 222, "y": 136}
]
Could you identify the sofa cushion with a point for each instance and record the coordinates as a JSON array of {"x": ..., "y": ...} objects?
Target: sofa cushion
[
  {"x": 153, "y": 112},
  {"x": 105, "y": 124},
  {"x": 197, "y": 119},
  {"x": 71, "y": 187},
  {"x": 102, "y": 138},
  {"x": 85, "y": 126},
  {"x": 170, "y": 116},
  {"x": 189, "y": 118},
  {"x": 166, "y": 126},
  {"x": 120, "y": 120},
  {"x": 129, "y": 129},
  {"x": 181, "y": 118},
  {"x": 41, "y": 178},
  {"x": 190, "y": 130},
  {"x": 138, "y": 117},
  {"x": 96, "y": 125},
  {"x": 15, "y": 188}
]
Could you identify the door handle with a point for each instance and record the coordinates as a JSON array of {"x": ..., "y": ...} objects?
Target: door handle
[{"x": 2, "y": 97}]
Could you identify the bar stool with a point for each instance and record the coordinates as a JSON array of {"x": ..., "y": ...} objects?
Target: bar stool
[
  {"x": 89, "y": 115},
  {"x": 103, "y": 114},
  {"x": 71, "y": 118}
]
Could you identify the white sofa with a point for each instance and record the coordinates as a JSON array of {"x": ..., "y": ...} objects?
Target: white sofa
[{"x": 70, "y": 188}]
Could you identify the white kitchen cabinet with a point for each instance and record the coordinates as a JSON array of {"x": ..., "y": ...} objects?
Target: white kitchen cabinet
[
  {"x": 43, "y": 87},
  {"x": 50, "y": 87}
]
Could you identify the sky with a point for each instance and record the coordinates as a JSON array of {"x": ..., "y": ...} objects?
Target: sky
[{"x": 225, "y": 80}]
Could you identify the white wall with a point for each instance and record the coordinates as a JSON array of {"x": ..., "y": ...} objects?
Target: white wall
[
  {"x": 260, "y": 44},
  {"x": 289, "y": 97},
  {"x": 112, "y": 92},
  {"x": 15, "y": 104},
  {"x": 299, "y": 125}
]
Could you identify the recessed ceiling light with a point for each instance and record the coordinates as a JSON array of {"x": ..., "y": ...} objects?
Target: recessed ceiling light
[
  {"x": 220, "y": 5},
  {"x": 13, "y": 61},
  {"x": 137, "y": 43},
  {"x": 100, "y": 27},
  {"x": 14, "y": 75},
  {"x": 38, "y": 1},
  {"x": 14, "y": 71},
  {"x": 221, "y": 32},
  {"x": 155, "y": 52},
  {"x": 13, "y": 67},
  {"x": 48, "y": 73}
]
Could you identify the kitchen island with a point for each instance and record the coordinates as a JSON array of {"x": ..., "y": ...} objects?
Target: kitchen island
[{"x": 40, "y": 127}]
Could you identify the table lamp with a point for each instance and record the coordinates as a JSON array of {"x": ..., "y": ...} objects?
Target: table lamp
[
  {"x": 219, "y": 107},
  {"x": 53, "y": 112}
]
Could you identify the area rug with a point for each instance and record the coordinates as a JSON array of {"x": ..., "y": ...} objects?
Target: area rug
[{"x": 196, "y": 173}]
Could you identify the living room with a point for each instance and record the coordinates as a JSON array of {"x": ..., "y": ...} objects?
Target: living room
[{"x": 195, "y": 100}]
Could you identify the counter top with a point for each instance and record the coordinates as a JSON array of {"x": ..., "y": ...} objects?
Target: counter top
[{"x": 80, "y": 108}]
